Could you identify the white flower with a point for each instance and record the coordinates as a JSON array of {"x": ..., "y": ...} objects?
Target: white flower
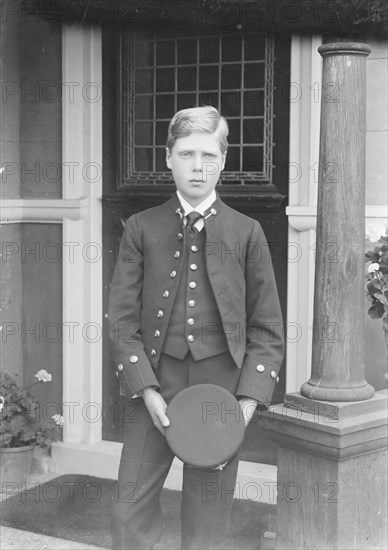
[
  {"x": 58, "y": 419},
  {"x": 373, "y": 267},
  {"x": 43, "y": 376},
  {"x": 374, "y": 231},
  {"x": 2, "y": 401}
]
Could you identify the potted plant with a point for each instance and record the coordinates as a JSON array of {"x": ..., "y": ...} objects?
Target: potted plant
[
  {"x": 21, "y": 428},
  {"x": 377, "y": 280}
]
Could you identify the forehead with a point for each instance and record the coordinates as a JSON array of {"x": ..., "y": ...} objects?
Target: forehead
[{"x": 199, "y": 141}]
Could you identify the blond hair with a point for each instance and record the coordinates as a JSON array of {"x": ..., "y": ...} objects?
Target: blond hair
[{"x": 206, "y": 120}]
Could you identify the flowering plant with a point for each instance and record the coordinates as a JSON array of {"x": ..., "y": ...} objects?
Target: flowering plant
[
  {"x": 377, "y": 280},
  {"x": 20, "y": 424}
]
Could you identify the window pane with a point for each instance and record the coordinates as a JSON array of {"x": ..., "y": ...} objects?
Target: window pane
[
  {"x": 230, "y": 104},
  {"x": 253, "y": 131},
  {"x": 160, "y": 159},
  {"x": 231, "y": 48},
  {"x": 165, "y": 80},
  {"x": 253, "y": 75},
  {"x": 143, "y": 106},
  {"x": 143, "y": 133},
  {"x": 187, "y": 78},
  {"x": 208, "y": 78},
  {"x": 187, "y": 52},
  {"x": 209, "y": 50},
  {"x": 143, "y": 159},
  {"x": 234, "y": 131},
  {"x": 185, "y": 101},
  {"x": 254, "y": 47},
  {"x": 252, "y": 159},
  {"x": 165, "y": 52},
  {"x": 231, "y": 77},
  {"x": 144, "y": 81},
  {"x": 233, "y": 160},
  {"x": 254, "y": 103},
  {"x": 144, "y": 54},
  {"x": 208, "y": 98},
  {"x": 165, "y": 106},
  {"x": 161, "y": 133}
]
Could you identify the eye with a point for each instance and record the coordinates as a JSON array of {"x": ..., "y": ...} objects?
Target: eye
[
  {"x": 185, "y": 154},
  {"x": 209, "y": 155}
]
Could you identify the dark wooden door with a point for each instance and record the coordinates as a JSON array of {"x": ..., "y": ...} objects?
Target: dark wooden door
[{"x": 248, "y": 79}]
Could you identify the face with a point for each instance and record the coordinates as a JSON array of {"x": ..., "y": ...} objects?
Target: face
[{"x": 196, "y": 162}]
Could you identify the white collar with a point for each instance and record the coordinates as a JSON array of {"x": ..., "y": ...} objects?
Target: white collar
[{"x": 201, "y": 207}]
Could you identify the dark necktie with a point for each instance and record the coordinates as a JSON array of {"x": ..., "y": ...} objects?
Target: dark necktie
[{"x": 191, "y": 219}]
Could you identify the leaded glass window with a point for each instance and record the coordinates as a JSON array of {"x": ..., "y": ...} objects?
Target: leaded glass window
[{"x": 162, "y": 72}]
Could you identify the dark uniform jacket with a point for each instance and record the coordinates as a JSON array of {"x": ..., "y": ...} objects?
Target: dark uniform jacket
[{"x": 240, "y": 272}]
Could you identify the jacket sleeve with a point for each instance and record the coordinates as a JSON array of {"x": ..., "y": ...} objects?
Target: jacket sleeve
[
  {"x": 124, "y": 314},
  {"x": 264, "y": 323}
]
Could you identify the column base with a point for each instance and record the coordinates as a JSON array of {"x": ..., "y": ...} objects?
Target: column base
[
  {"x": 332, "y": 474},
  {"x": 356, "y": 393}
]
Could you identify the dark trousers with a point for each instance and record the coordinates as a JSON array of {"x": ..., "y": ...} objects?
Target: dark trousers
[{"x": 207, "y": 495}]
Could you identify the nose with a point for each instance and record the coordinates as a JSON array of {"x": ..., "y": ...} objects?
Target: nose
[{"x": 197, "y": 163}]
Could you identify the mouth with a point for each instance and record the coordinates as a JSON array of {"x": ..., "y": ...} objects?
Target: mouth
[{"x": 196, "y": 181}]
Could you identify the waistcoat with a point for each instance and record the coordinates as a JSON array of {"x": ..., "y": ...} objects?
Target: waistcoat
[{"x": 195, "y": 322}]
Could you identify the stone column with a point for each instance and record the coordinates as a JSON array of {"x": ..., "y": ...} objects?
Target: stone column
[
  {"x": 332, "y": 436},
  {"x": 338, "y": 331}
]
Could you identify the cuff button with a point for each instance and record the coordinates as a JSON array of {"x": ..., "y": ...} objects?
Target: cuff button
[
  {"x": 120, "y": 367},
  {"x": 133, "y": 359},
  {"x": 273, "y": 374},
  {"x": 260, "y": 368}
]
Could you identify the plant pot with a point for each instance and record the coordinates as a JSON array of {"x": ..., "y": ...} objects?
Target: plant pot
[{"x": 15, "y": 464}]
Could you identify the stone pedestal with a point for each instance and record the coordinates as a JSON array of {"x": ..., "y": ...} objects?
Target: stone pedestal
[{"x": 332, "y": 473}]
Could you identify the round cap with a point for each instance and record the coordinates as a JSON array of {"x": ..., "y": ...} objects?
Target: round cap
[{"x": 206, "y": 425}]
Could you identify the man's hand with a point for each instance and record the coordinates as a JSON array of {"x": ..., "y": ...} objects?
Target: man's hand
[
  {"x": 248, "y": 407},
  {"x": 156, "y": 406}
]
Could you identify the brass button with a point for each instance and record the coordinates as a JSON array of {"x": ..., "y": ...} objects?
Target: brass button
[
  {"x": 157, "y": 333},
  {"x": 273, "y": 374},
  {"x": 277, "y": 379},
  {"x": 194, "y": 248},
  {"x": 192, "y": 284},
  {"x": 177, "y": 254},
  {"x": 190, "y": 338},
  {"x": 133, "y": 359},
  {"x": 173, "y": 274},
  {"x": 120, "y": 367},
  {"x": 193, "y": 267},
  {"x": 153, "y": 352},
  {"x": 190, "y": 321},
  {"x": 166, "y": 294},
  {"x": 191, "y": 303},
  {"x": 117, "y": 374},
  {"x": 260, "y": 368},
  {"x": 160, "y": 314},
  {"x": 180, "y": 236}
]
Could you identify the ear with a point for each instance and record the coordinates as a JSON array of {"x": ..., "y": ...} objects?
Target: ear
[
  {"x": 168, "y": 158},
  {"x": 223, "y": 160}
]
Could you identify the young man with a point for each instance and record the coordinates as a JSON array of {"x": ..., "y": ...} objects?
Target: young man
[{"x": 193, "y": 300}]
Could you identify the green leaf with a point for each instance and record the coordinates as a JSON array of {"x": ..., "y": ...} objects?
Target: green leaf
[{"x": 376, "y": 311}]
